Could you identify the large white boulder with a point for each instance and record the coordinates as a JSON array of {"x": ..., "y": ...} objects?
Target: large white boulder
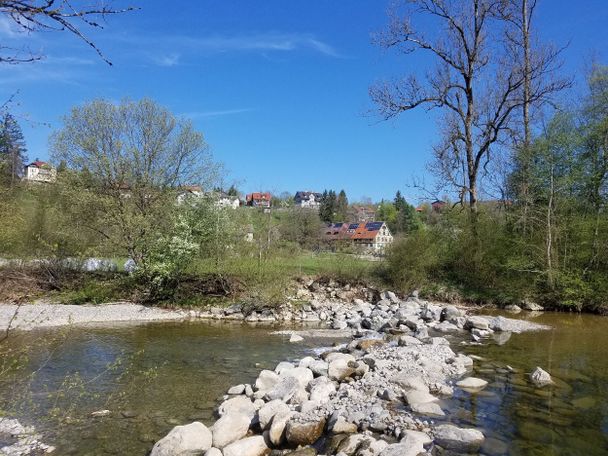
[
  {"x": 230, "y": 428},
  {"x": 269, "y": 410},
  {"x": 458, "y": 439},
  {"x": 250, "y": 446},
  {"x": 238, "y": 405},
  {"x": 284, "y": 389},
  {"x": 277, "y": 428},
  {"x": 302, "y": 374},
  {"x": 189, "y": 440},
  {"x": 266, "y": 380}
]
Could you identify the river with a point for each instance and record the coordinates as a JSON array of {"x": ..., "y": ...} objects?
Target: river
[{"x": 155, "y": 376}]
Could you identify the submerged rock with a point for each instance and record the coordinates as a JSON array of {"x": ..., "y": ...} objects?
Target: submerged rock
[
  {"x": 454, "y": 438},
  {"x": 295, "y": 338},
  {"x": 540, "y": 377},
  {"x": 472, "y": 383}
]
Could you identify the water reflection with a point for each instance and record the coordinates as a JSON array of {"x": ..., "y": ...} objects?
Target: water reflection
[
  {"x": 155, "y": 376},
  {"x": 151, "y": 377},
  {"x": 567, "y": 418}
]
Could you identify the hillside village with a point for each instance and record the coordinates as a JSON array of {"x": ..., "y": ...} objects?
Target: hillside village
[{"x": 361, "y": 230}]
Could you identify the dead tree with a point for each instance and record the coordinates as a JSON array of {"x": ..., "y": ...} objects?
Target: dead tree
[
  {"x": 475, "y": 82},
  {"x": 539, "y": 64}
]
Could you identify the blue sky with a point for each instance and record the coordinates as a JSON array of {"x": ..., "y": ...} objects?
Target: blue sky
[{"x": 278, "y": 87}]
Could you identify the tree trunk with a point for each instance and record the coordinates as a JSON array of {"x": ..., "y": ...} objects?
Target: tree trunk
[
  {"x": 549, "y": 237},
  {"x": 525, "y": 151}
]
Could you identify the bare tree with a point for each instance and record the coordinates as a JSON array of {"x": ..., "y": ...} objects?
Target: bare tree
[
  {"x": 53, "y": 15},
  {"x": 476, "y": 82},
  {"x": 539, "y": 64}
]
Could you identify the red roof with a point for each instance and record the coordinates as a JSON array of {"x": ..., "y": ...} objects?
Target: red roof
[
  {"x": 38, "y": 164},
  {"x": 258, "y": 196},
  {"x": 354, "y": 231},
  {"x": 363, "y": 233},
  {"x": 191, "y": 188}
]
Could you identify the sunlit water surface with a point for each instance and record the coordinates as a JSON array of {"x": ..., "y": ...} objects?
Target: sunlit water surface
[{"x": 155, "y": 376}]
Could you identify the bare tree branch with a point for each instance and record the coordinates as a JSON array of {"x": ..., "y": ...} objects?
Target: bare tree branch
[{"x": 56, "y": 15}]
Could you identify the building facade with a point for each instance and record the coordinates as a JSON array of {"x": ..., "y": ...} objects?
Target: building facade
[
  {"x": 370, "y": 237},
  {"x": 307, "y": 199},
  {"x": 258, "y": 199},
  {"x": 40, "y": 171}
]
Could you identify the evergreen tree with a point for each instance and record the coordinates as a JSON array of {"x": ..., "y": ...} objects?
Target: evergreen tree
[
  {"x": 232, "y": 191},
  {"x": 327, "y": 210},
  {"x": 408, "y": 220},
  {"x": 400, "y": 202},
  {"x": 12, "y": 150},
  {"x": 341, "y": 207}
]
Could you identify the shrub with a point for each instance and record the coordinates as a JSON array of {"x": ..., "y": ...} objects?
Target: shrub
[{"x": 414, "y": 260}]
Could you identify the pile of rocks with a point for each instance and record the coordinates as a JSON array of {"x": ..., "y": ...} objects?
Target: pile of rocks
[
  {"x": 383, "y": 312},
  {"x": 377, "y": 395},
  {"x": 20, "y": 440}
]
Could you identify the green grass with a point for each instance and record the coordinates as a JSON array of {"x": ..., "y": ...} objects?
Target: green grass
[
  {"x": 269, "y": 281},
  {"x": 247, "y": 280},
  {"x": 335, "y": 266}
]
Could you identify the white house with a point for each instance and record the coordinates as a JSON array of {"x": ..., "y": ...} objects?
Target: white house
[
  {"x": 40, "y": 171},
  {"x": 307, "y": 199},
  {"x": 370, "y": 237},
  {"x": 225, "y": 200}
]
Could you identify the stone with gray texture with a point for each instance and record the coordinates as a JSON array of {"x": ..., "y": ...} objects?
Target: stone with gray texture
[
  {"x": 454, "y": 438},
  {"x": 237, "y": 405},
  {"x": 250, "y": 446},
  {"x": 540, "y": 377},
  {"x": 189, "y": 440},
  {"x": 229, "y": 428}
]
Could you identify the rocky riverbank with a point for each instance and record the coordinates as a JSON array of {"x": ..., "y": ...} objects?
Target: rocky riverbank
[
  {"x": 380, "y": 394},
  {"x": 26, "y": 317},
  {"x": 19, "y": 440}
]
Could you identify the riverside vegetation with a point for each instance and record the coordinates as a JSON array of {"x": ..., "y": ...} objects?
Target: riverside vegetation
[{"x": 551, "y": 247}]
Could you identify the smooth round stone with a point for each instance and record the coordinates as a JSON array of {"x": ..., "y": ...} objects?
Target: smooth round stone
[
  {"x": 472, "y": 383},
  {"x": 494, "y": 447}
]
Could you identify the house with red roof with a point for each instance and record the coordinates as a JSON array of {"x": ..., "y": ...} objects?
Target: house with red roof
[
  {"x": 370, "y": 237},
  {"x": 39, "y": 171},
  {"x": 258, "y": 199}
]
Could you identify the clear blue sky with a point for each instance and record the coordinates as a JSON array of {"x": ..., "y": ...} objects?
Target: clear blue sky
[{"x": 278, "y": 87}]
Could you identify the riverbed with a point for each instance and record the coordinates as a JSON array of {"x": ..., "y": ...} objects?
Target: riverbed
[{"x": 154, "y": 376}]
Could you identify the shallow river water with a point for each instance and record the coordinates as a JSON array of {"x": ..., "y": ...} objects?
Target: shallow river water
[{"x": 155, "y": 376}]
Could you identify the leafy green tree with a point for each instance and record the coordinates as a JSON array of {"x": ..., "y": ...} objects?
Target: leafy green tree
[
  {"x": 387, "y": 212},
  {"x": 12, "y": 150},
  {"x": 301, "y": 226},
  {"x": 127, "y": 162},
  {"x": 595, "y": 155}
]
